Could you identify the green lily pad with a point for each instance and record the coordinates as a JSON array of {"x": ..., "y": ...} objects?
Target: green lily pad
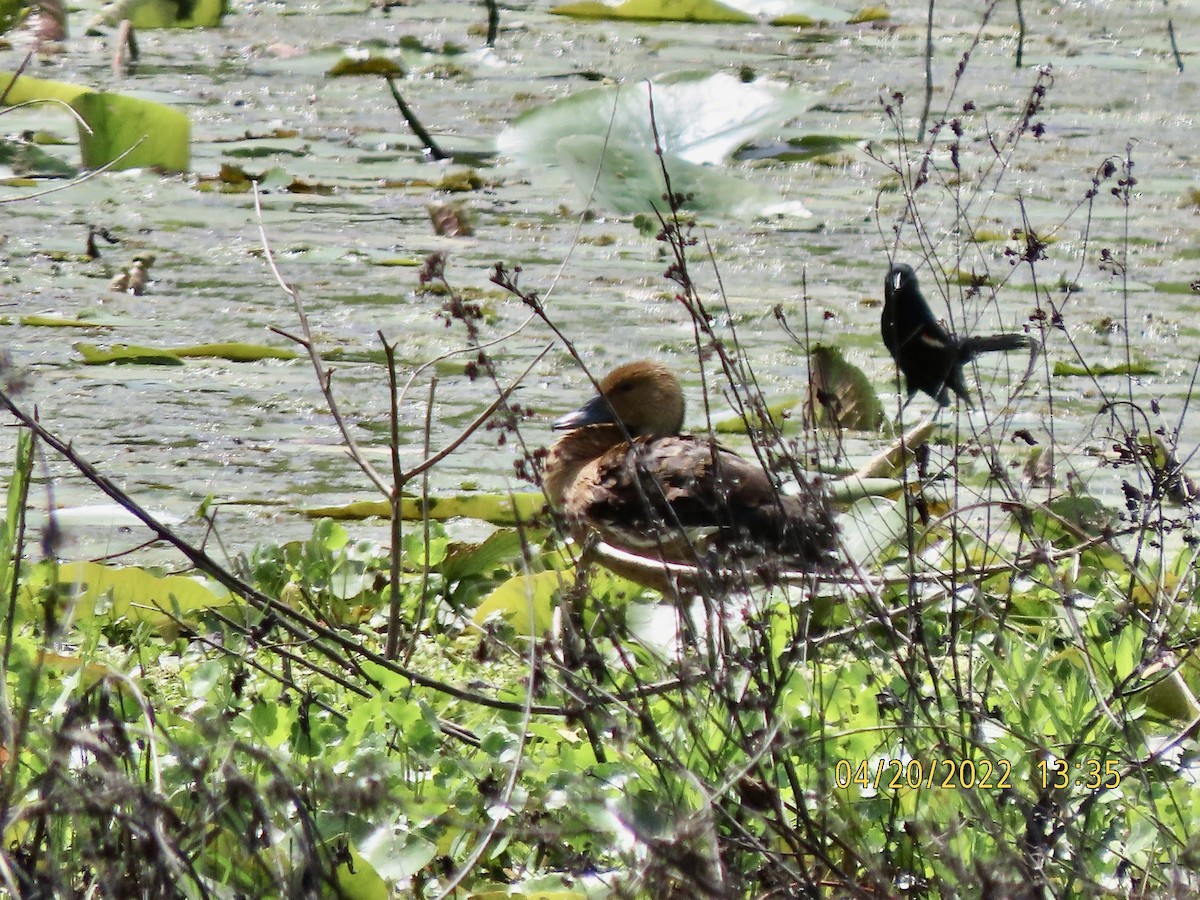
[
  {"x": 153, "y": 134},
  {"x": 628, "y": 179},
  {"x": 127, "y": 591},
  {"x": 1072, "y": 369},
  {"x": 149, "y": 134},
  {"x": 701, "y": 117},
  {"x": 234, "y": 351},
  {"x": 151, "y": 14},
  {"x": 777, "y": 12},
  {"x": 655, "y": 11},
  {"x": 370, "y": 64},
  {"x": 58, "y": 322},
  {"x": 129, "y": 353},
  {"x": 27, "y": 159},
  {"x": 132, "y": 354},
  {"x": 736, "y": 424},
  {"x": 840, "y": 394},
  {"x": 526, "y": 601},
  {"x": 498, "y": 509}
]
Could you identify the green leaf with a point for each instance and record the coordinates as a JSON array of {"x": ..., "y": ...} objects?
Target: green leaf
[
  {"x": 499, "y": 509},
  {"x": 526, "y": 601},
  {"x": 18, "y": 488},
  {"x": 736, "y": 424},
  {"x": 500, "y": 547},
  {"x": 127, "y": 353},
  {"x": 154, "y": 134},
  {"x": 369, "y": 64},
  {"x": 151, "y": 14},
  {"x": 701, "y": 117},
  {"x": 709, "y": 11},
  {"x": 397, "y": 854},
  {"x": 1074, "y": 369},
  {"x": 27, "y": 90},
  {"x": 57, "y": 322},
  {"x": 129, "y": 591},
  {"x": 627, "y": 178},
  {"x": 234, "y": 351},
  {"x": 840, "y": 394}
]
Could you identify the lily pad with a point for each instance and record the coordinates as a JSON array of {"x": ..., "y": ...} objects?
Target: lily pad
[
  {"x": 1073, "y": 369},
  {"x": 526, "y": 601},
  {"x": 125, "y": 131},
  {"x": 655, "y": 11},
  {"x": 700, "y": 117},
  {"x": 498, "y": 509},
  {"x": 149, "y": 134},
  {"x": 839, "y": 394},
  {"x": 736, "y": 424},
  {"x": 146, "y": 15},
  {"x": 628, "y": 179},
  {"x": 127, "y": 354},
  {"x": 778, "y": 12},
  {"x": 130, "y": 591},
  {"x": 58, "y": 322}
]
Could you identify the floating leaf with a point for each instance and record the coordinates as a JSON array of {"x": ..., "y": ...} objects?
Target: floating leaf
[
  {"x": 839, "y": 394},
  {"x": 115, "y": 124},
  {"x": 397, "y": 854},
  {"x": 128, "y": 591},
  {"x": 450, "y": 219},
  {"x": 57, "y": 322},
  {"x": 500, "y": 548},
  {"x": 526, "y": 601},
  {"x": 27, "y": 90},
  {"x": 1073, "y": 369},
  {"x": 127, "y": 353},
  {"x": 357, "y": 879},
  {"x": 234, "y": 351},
  {"x": 870, "y": 528},
  {"x": 628, "y": 179},
  {"x": 778, "y": 12},
  {"x": 709, "y": 11},
  {"x": 24, "y": 158},
  {"x": 870, "y": 14},
  {"x": 130, "y": 353},
  {"x": 366, "y": 64},
  {"x": 147, "y": 15},
  {"x": 736, "y": 424},
  {"x": 153, "y": 134},
  {"x": 498, "y": 509},
  {"x": 701, "y": 117}
]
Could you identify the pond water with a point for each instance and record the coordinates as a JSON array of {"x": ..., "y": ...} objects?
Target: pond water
[{"x": 257, "y": 435}]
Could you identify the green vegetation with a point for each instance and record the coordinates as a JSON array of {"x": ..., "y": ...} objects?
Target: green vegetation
[{"x": 994, "y": 695}]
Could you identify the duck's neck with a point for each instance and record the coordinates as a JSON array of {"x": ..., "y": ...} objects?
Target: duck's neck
[{"x": 572, "y": 452}]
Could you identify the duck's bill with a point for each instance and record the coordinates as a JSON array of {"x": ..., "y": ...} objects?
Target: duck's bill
[{"x": 594, "y": 412}]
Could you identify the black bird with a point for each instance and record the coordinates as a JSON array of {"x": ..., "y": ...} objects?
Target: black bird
[{"x": 930, "y": 357}]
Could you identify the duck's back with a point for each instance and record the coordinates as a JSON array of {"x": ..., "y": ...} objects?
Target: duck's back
[{"x": 681, "y": 496}]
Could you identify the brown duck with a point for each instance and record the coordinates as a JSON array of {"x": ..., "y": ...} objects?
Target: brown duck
[{"x": 625, "y": 472}]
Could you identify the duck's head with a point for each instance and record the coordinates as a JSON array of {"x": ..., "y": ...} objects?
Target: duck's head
[{"x": 643, "y": 396}]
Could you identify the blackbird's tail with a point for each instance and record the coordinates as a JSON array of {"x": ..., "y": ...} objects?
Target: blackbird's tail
[{"x": 971, "y": 347}]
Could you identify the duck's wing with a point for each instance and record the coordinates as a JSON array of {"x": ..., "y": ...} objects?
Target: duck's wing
[{"x": 686, "y": 493}]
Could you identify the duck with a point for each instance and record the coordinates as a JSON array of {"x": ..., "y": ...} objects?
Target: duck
[{"x": 625, "y": 473}]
